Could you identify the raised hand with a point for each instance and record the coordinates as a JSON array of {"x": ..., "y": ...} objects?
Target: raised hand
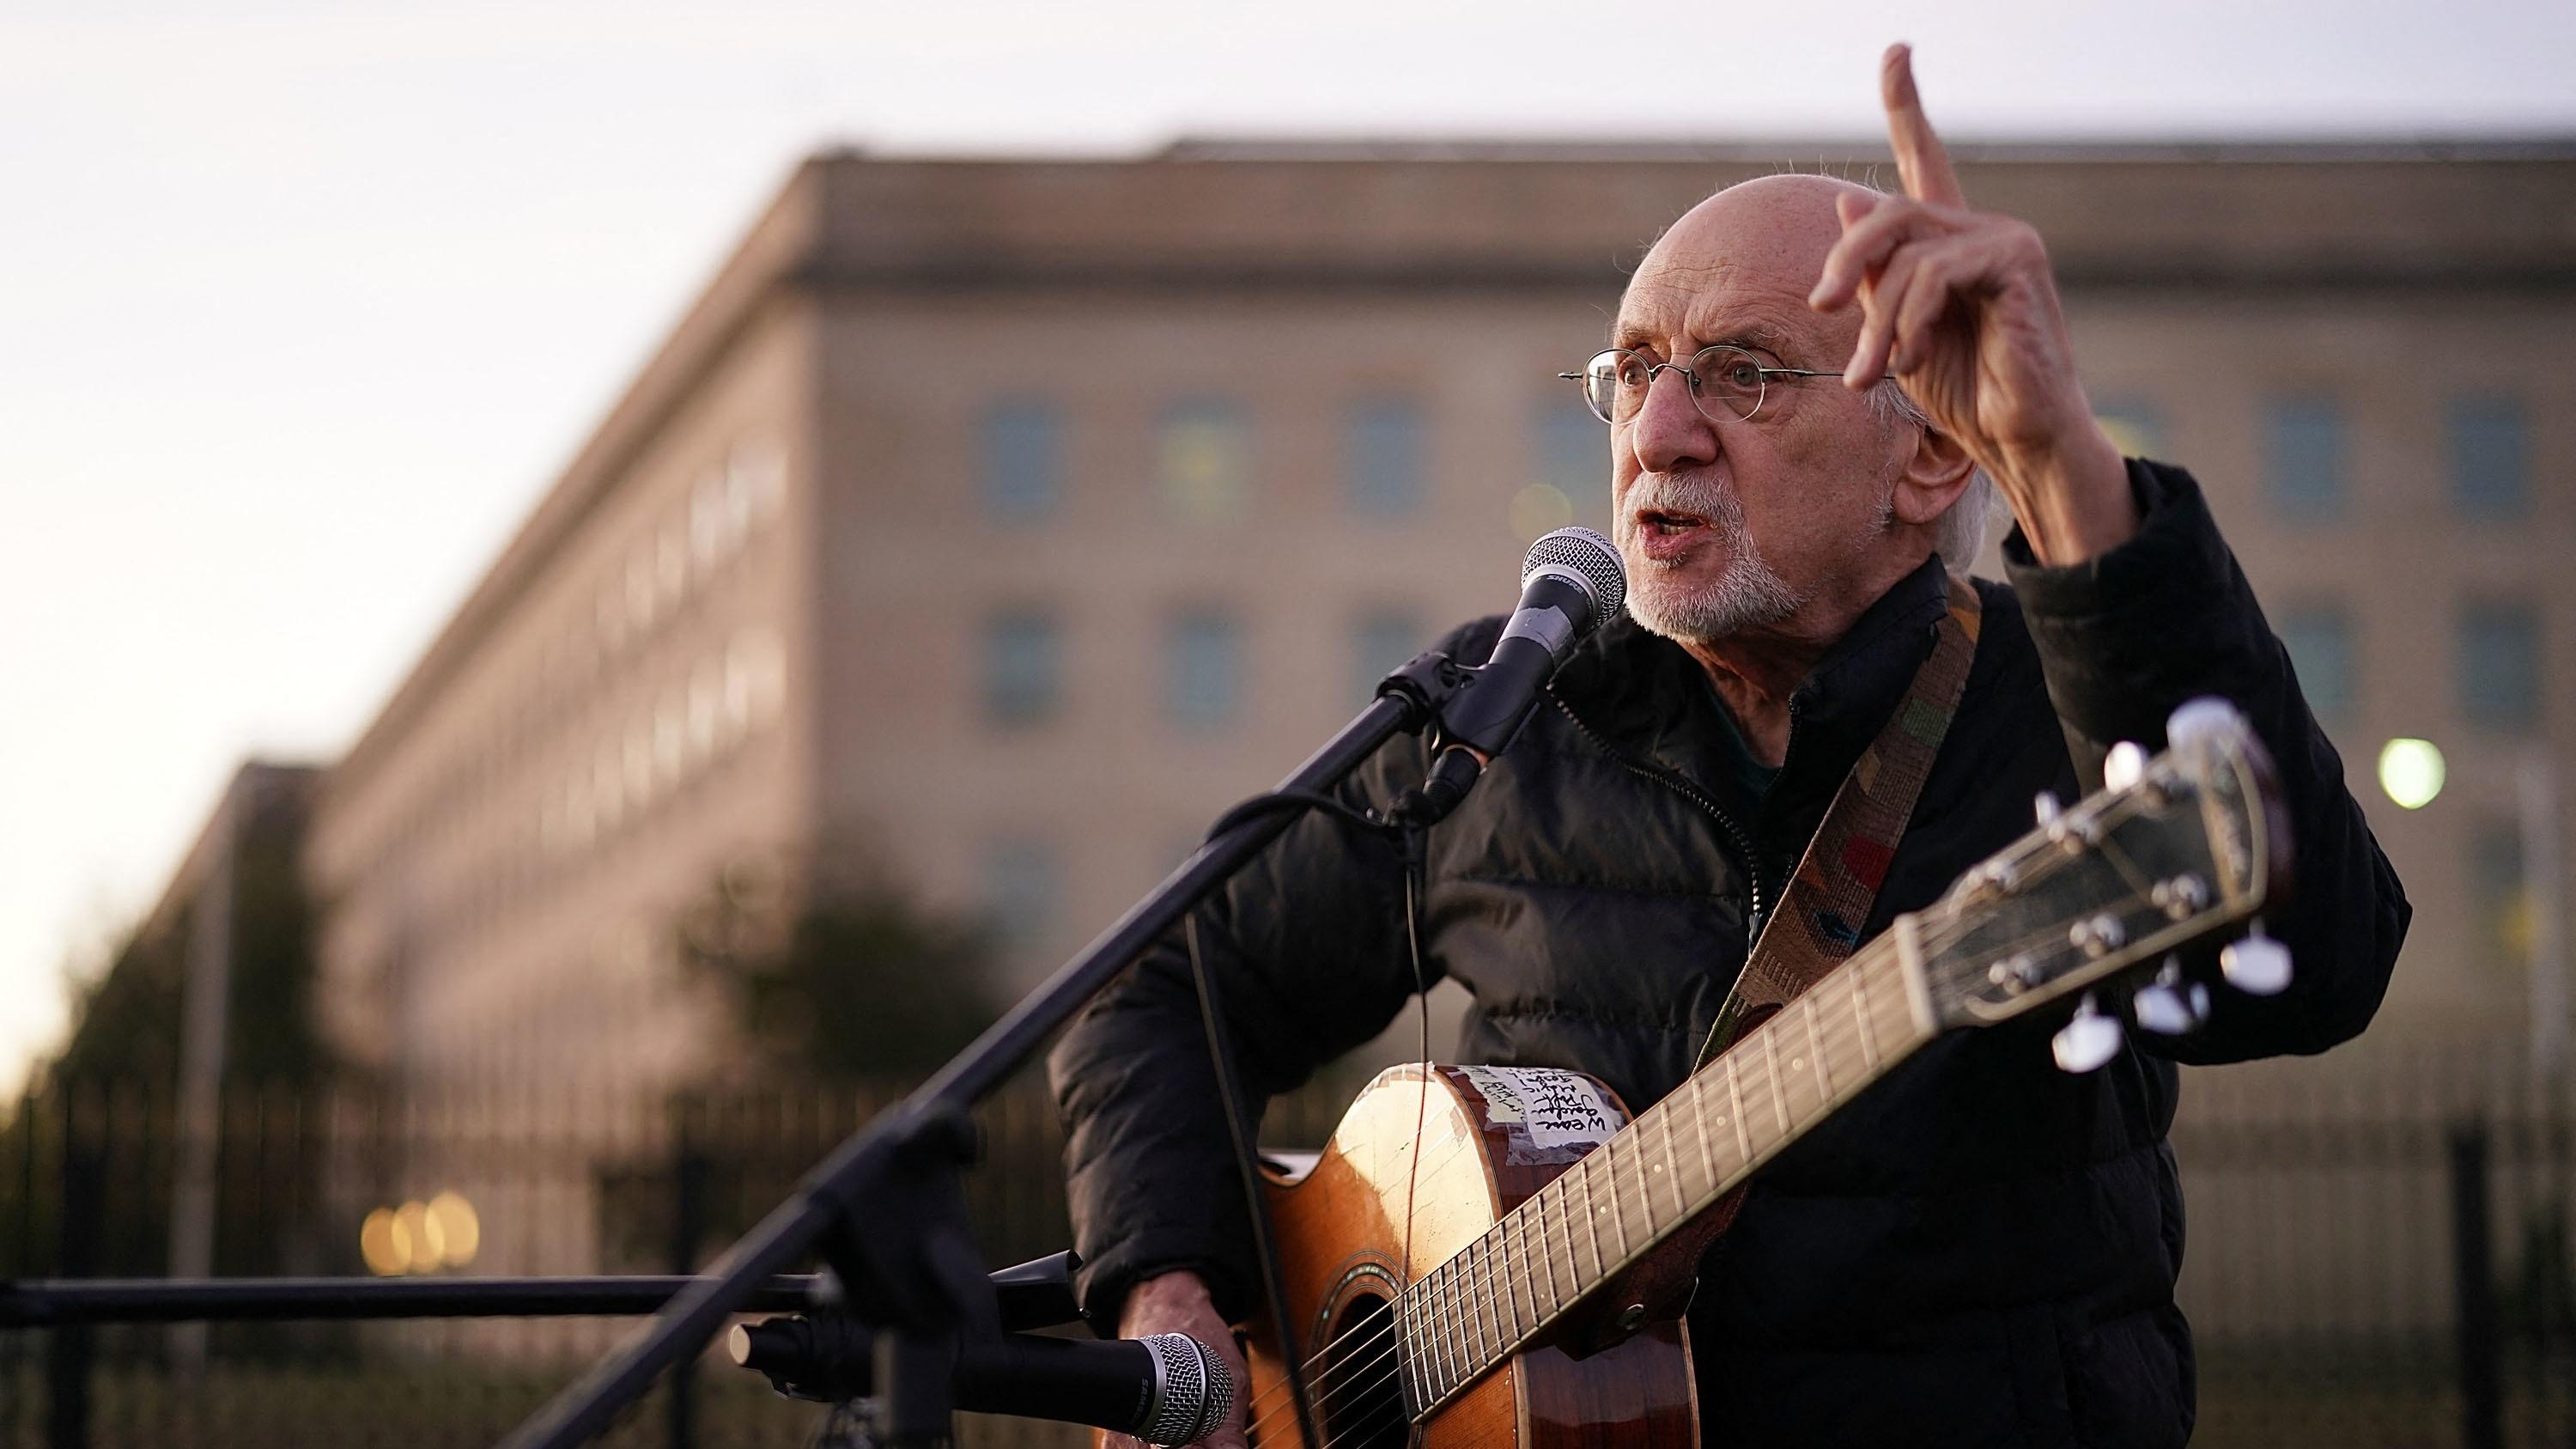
[{"x": 1961, "y": 305}]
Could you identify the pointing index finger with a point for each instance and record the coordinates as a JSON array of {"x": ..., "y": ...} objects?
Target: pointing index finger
[{"x": 1920, "y": 158}]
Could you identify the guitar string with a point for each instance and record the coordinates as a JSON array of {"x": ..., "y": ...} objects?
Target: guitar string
[
  {"x": 1497, "y": 1282},
  {"x": 1386, "y": 1341},
  {"x": 1495, "y": 1285},
  {"x": 1501, "y": 1276},
  {"x": 1497, "y": 1279}
]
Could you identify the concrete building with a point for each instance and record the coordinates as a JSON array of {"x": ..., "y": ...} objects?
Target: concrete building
[{"x": 989, "y": 526}]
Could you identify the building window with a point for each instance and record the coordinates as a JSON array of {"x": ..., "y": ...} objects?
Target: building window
[
  {"x": 2135, "y": 426},
  {"x": 1203, "y": 458},
  {"x": 2320, "y": 643},
  {"x": 1204, "y": 679},
  {"x": 1022, "y": 882},
  {"x": 2499, "y": 666},
  {"x": 1022, "y": 461},
  {"x": 1381, "y": 640},
  {"x": 1023, "y": 657},
  {"x": 1383, "y": 441},
  {"x": 2303, "y": 459},
  {"x": 1572, "y": 453},
  {"x": 2496, "y": 896},
  {"x": 2490, "y": 457}
]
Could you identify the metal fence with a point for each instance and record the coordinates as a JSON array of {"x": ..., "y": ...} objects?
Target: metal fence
[{"x": 2383, "y": 1261}]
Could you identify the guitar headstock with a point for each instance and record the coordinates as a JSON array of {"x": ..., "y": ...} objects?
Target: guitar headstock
[{"x": 2173, "y": 848}]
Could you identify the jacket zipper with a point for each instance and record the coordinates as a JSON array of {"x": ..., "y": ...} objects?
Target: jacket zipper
[{"x": 1734, "y": 833}]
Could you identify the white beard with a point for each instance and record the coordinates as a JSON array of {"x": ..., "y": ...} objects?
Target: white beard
[{"x": 1747, "y": 595}]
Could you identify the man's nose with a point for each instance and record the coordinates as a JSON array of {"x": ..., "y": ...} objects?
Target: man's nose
[{"x": 1669, "y": 431}]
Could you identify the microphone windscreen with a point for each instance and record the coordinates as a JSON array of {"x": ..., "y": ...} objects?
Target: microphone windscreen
[{"x": 1588, "y": 555}]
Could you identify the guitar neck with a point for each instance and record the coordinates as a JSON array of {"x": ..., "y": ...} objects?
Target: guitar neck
[{"x": 1614, "y": 1205}]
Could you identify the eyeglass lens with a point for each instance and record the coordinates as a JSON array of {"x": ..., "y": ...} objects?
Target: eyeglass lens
[{"x": 1725, "y": 382}]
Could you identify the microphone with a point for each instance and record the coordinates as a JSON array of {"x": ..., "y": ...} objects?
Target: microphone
[
  {"x": 1167, "y": 1388},
  {"x": 1571, "y": 583}
]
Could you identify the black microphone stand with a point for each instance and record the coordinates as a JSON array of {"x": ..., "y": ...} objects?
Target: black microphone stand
[
  {"x": 885, "y": 1210},
  {"x": 1034, "y": 1294}
]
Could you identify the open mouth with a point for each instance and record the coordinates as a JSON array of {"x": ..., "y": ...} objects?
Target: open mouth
[{"x": 1665, "y": 521}]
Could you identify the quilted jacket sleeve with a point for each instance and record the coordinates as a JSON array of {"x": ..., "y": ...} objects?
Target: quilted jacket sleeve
[
  {"x": 1307, "y": 944},
  {"x": 2168, "y": 616}
]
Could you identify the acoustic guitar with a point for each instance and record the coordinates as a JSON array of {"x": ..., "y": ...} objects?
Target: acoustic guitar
[{"x": 1501, "y": 1255}]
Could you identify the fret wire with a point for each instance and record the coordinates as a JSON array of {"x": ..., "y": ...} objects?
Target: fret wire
[
  {"x": 1564, "y": 1228},
  {"x": 1481, "y": 1272},
  {"x": 1608, "y": 1154},
  {"x": 1547, "y": 1255},
  {"x": 1501, "y": 1233},
  {"x": 1592, "y": 1217},
  {"x": 1449, "y": 1352},
  {"x": 1479, "y": 1314},
  {"x": 1470, "y": 1333},
  {"x": 1699, "y": 1120},
  {"x": 1735, "y": 1099},
  {"x": 1479, "y": 1321},
  {"x": 1426, "y": 1364},
  {"x": 1426, "y": 1358},
  {"x": 1816, "y": 1049},
  {"x": 1859, "y": 994},
  {"x": 1641, "y": 1167},
  {"x": 1779, "y": 1098},
  {"x": 1672, "y": 1164},
  {"x": 1408, "y": 1337},
  {"x": 1464, "y": 1320},
  {"x": 1529, "y": 1285}
]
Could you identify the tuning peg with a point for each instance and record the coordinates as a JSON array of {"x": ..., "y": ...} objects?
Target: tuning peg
[
  {"x": 2044, "y": 807},
  {"x": 2198, "y": 719},
  {"x": 2125, "y": 766},
  {"x": 2169, "y": 1005},
  {"x": 2256, "y": 965},
  {"x": 2088, "y": 1041}
]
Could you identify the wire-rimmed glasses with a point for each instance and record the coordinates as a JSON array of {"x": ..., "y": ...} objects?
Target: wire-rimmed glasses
[{"x": 1726, "y": 382}]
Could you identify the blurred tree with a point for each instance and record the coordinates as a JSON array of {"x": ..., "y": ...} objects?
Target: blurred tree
[
  {"x": 95, "y": 1134},
  {"x": 861, "y": 985},
  {"x": 126, "y": 1023}
]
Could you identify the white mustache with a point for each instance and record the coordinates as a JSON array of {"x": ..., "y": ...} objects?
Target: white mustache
[{"x": 1665, "y": 493}]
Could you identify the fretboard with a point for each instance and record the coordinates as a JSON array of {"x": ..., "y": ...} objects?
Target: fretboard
[{"x": 1612, "y": 1206}]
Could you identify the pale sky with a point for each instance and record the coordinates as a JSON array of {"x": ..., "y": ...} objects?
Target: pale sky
[{"x": 302, "y": 305}]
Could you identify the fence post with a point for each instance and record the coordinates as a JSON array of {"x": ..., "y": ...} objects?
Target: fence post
[
  {"x": 688, "y": 1232},
  {"x": 68, "y": 1349},
  {"x": 2473, "y": 1264}
]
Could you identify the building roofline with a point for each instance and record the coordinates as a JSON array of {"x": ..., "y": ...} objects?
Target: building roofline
[
  {"x": 2374, "y": 150},
  {"x": 837, "y": 225},
  {"x": 252, "y": 783},
  {"x": 779, "y": 246}
]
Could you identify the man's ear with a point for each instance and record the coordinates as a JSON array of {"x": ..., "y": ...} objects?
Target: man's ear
[{"x": 1934, "y": 477}]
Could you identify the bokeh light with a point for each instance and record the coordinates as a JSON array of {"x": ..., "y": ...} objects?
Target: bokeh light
[
  {"x": 2411, "y": 771},
  {"x": 1540, "y": 508},
  {"x": 420, "y": 1236},
  {"x": 384, "y": 1243},
  {"x": 460, "y": 1228}
]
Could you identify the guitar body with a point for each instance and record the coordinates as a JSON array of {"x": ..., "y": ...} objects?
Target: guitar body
[{"x": 1416, "y": 1171}]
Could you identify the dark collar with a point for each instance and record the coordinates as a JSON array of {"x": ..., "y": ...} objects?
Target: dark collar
[{"x": 1652, "y": 700}]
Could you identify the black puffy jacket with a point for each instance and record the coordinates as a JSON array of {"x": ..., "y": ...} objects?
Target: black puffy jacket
[{"x": 1981, "y": 1249}]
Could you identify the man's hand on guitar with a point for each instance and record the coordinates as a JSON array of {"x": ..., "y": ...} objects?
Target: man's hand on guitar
[{"x": 1178, "y": 1302}]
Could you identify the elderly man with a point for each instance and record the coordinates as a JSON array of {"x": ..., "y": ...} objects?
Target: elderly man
[{"x": 1808, "y": 385}]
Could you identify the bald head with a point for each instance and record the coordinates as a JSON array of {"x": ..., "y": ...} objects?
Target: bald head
[
  {"x": 1734, "y": 519},
  {"x": 1772, "y": 232}
]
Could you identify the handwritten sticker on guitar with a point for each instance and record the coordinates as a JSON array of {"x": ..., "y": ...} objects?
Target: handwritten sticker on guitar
[{"x": 1550, "y": 1115}]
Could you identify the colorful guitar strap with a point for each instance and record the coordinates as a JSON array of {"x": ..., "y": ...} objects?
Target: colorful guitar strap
[{"x": 1818, "y": 921}]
